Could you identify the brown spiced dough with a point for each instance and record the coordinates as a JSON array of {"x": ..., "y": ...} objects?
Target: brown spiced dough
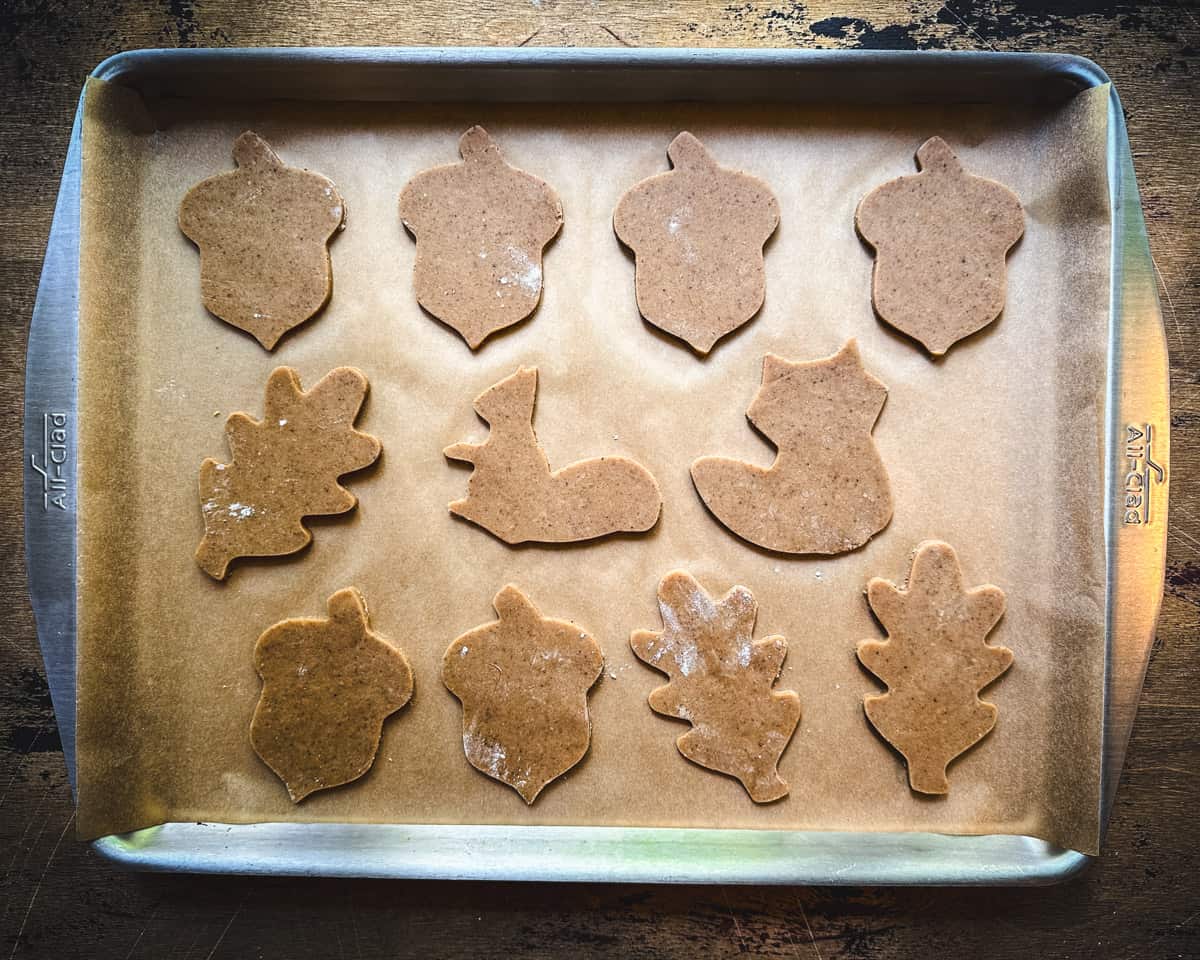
[
  {"x": 523, "y": 681},
  {"x": 827, "y": 491},
  {"x": 940, "y": 239},
  {"x": 480, "y": 226},
  {"x": 721, "y": 683},
  {"x": 263, "y": 231},
  {"x": 328, "y": 685},
  {"x": 513, "y": 494},
  {"x": 935, "y": 662},
  {"x": 284, "y": 467},
  {"x": 697, "y": 233}
]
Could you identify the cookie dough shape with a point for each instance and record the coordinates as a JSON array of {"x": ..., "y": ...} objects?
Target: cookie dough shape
[
  {"x": 480, "y": 226},
  {"x": 523, "y": 681},
  {"x": 827, "y": 491},
  {"x": 513, "y": 494},
  {"x": 284, "y": 467},
  {"x": 328, "y": 685},
  {"x": 940, "y": 239},
  {"x": 935, "y": 662},
  {"x": 263, "y": 232},
  {"x": 721, "y": 683},
  {"x": 697, "y": 233}
]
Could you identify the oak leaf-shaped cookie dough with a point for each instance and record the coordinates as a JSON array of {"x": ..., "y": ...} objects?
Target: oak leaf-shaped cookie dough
[
  {"x": 263, "y": 232},
  {"x": 284, "y": 467},
  {"x": 721, "y": 683},
  {"x": 697, "y": 233},
  {"x": 328, "y": 685},
  {"x": 827, "y": 491},
  {"x": 513, "y": 494},
  {"x": 935, "y": 662},
  {"x": 480, "y": 227},
  {"x": 940, "y": 239},
  {"x": 523, "y": 681}
]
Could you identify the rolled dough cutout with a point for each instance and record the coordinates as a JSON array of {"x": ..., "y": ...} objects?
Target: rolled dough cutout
[
  {"x": 827, "y": 491},
  {"x": 721, "y": 683},
  {"x": 284, "y": 467},
  {"x": 523, "y": 681},
  {"x": 940, "y": 239},
  {"x": 935, "y": 661},
  {"x": 263, "y": 232},
  {"x": 328, "y": 685},
  {"x": 480, "y": 226},
  {"x": 697, "y": 233},
  {"x": 513, "y": 494}
]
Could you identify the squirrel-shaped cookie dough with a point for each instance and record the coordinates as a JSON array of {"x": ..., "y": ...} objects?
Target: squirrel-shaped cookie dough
[
  {"x": 523, "y": 681},
  {"x": 697, "y": 232},
  {"x": 480, "y": 227},
  {"x": 940, "y": 239},
  {"x": 827, "y": 491},
  {"x": 263, "y": 231},
  {"x": 513, "y": 493}
]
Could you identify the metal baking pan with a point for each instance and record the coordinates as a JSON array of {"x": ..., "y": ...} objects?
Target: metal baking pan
[{"x": 1133, "y": 513}]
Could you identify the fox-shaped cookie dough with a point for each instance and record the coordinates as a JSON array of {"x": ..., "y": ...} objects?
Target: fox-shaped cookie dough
[
  {"x": 513, "y": 494},
  {"x": 827, "y": 491}
]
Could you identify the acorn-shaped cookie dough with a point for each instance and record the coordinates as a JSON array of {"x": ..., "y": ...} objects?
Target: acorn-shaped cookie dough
[
  {"x": 523, "y": 681},
  {"x": 940, "y": 239},
  {"x": 262, "y": 231},
  {"x": 480, "y": 226},
  {"x": 697, "y": 233},
  {"x": 328, "y": 686}
]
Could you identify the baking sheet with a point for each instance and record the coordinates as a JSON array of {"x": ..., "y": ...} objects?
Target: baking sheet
[{"x": 997, "y": 449}]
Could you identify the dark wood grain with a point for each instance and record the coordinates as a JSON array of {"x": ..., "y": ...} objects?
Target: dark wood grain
[{"x": 1140, "y": 900}]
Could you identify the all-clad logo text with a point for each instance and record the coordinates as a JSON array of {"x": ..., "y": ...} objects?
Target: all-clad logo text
[
  {"x": 1141, "y": 474},
  {"x": 53, "y": 465}
]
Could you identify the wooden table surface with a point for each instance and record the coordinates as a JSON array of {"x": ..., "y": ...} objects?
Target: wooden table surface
[{"x": 1140, "y": 900}]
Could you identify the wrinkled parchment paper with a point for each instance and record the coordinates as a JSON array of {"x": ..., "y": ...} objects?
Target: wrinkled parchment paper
[{"x": 996, "y": 448}]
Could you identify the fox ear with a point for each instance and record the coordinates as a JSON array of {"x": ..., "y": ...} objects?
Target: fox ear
[
  {"x": 849, "y": 354},
  {"x": 774, "y": 367}
]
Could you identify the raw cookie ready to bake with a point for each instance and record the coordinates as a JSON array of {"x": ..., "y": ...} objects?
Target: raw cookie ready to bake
[
  {"x": 940, "y": 239},
  {"x": 513, "y": 494},
  {"x": 480, "y": 227},
  {"x": 523, "y": 681},
  {"x": 935, "y": 662},
  {"x": 284, "y": 467},
  {"x": 263, "y": 232},
  {"x": 721, "y": 683},
  {"x": 827, "y": 491},
  {"x": 328, "y": 685},
  {"x": 697, "y": 233}
]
